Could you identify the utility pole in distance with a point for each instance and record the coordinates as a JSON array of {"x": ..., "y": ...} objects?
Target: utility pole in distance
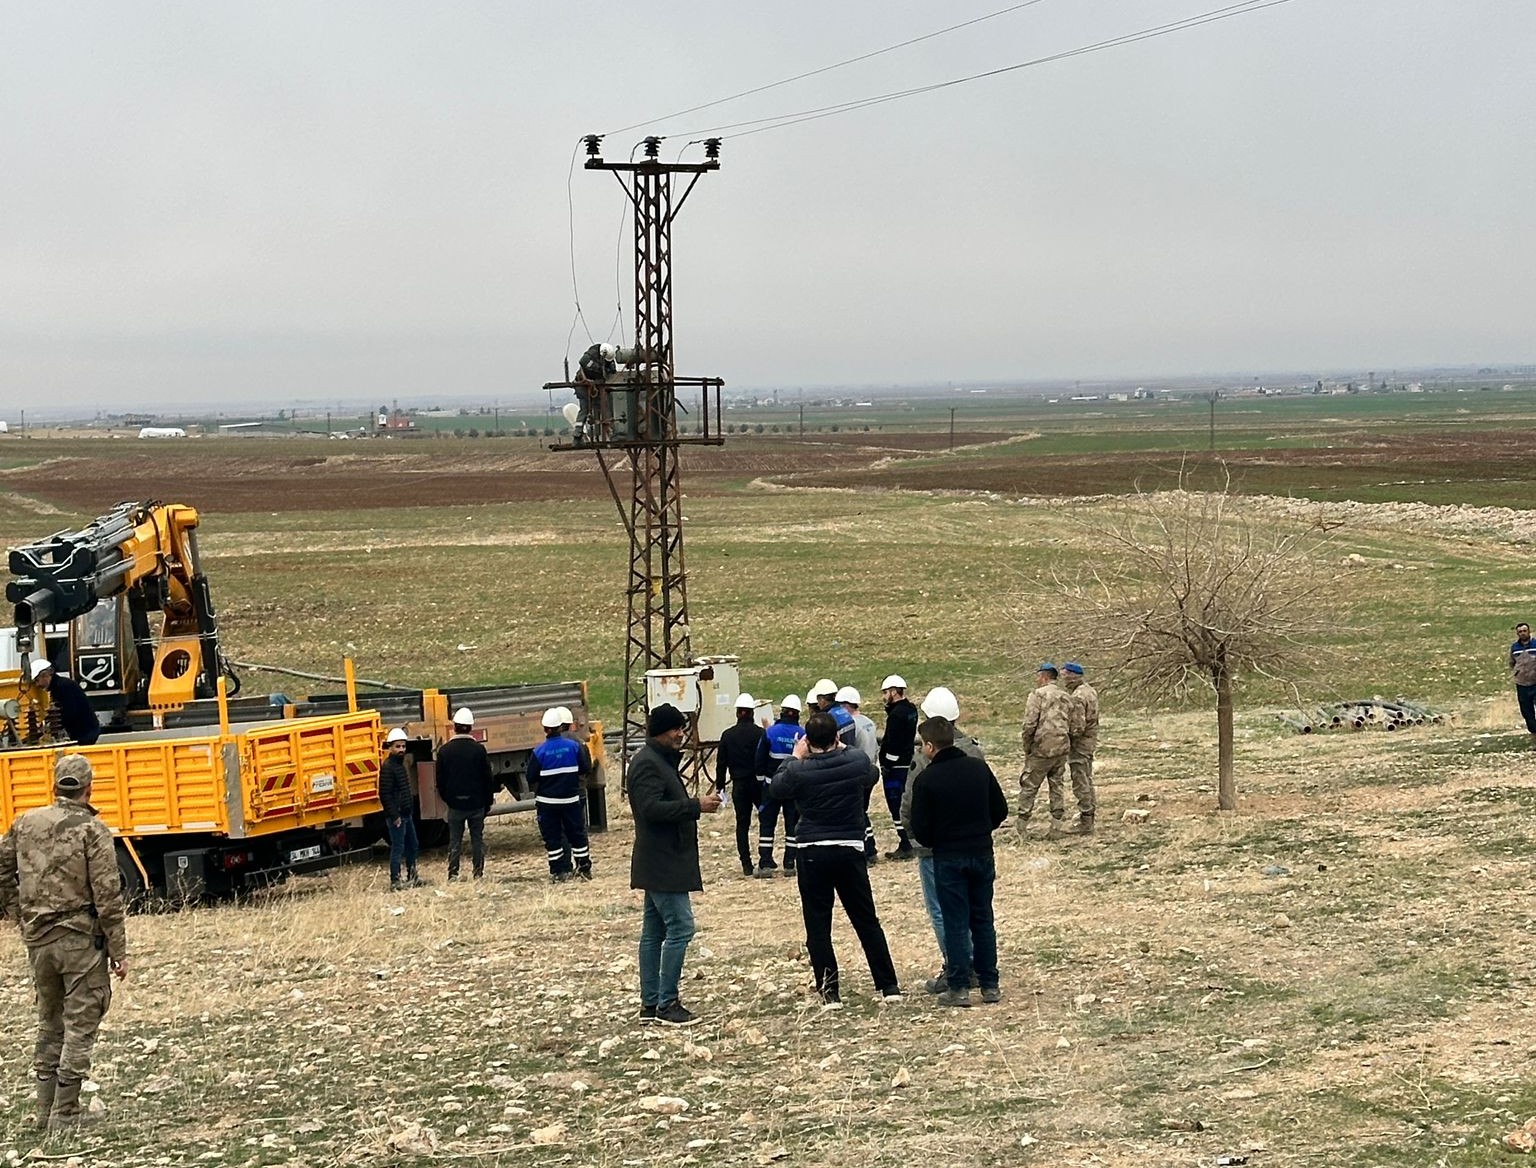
[
  {"x": 951, "y": 427},
  {"x": 1213, "y": 397}
]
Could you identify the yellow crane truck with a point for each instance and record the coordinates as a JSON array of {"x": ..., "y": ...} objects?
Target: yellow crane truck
[{"x": 207, "y": 792}]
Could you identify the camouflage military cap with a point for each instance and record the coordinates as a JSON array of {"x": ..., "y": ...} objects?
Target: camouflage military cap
[{"x": 71, "y": 774}]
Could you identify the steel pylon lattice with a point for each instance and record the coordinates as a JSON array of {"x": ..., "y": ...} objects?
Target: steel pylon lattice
[{"x": 650, "y": 440}]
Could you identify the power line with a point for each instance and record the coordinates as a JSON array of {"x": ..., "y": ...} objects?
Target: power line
[
  {"x": 781, "y": 120},
  {"x": 829, "y": 68}
]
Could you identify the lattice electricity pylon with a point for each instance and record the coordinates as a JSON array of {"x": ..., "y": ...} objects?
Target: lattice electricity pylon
[{"x": 630, "y": 404}]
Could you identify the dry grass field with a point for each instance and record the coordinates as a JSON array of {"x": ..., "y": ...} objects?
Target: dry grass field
[{"x": 1334, "y": 974}]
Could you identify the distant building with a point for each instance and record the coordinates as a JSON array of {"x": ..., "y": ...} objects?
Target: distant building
[{"x": 162, "y": 432}]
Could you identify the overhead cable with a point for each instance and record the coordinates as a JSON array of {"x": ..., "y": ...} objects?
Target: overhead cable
[
  {"x": 693, "y": 109},
  {"x": 781, "y": 120}
]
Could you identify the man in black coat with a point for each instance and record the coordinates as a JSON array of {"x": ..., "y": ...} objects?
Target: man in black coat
[
  {"x": 896, "y": 746},
  {"x": 466, "y": 787},
  {"x": 830, "y": 783},
  {"x": 399, "y": 812},
  {"x": 737, "y": 760},
  {"x": 665, "y": 862},
  {"x": 957, "y": 804},
  {"x": 76, "y": 717}
]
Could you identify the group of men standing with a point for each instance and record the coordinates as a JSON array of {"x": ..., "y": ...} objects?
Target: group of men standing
[{"x": 945, "y": 802}]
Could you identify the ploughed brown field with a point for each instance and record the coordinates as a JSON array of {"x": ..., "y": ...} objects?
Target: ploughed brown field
[{"x": 242, "y": 475}]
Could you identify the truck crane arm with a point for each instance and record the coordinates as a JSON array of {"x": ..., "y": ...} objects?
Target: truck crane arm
[{"x": 147, "y": 551}]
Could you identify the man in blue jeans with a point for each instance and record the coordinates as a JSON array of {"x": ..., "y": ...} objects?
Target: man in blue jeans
[
  {"x": 399, "y": 813},
  {"x": 665, "y": 862},
  {"x": 956, "y": 806},
  {"x": 940, "y": 703}
]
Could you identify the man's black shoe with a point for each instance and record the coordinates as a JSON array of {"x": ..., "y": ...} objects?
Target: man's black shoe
[
  {"x": 903, "y": 853},
  {"x": 647, "y": 1014},
  {"x": 676, "y": 1014}
]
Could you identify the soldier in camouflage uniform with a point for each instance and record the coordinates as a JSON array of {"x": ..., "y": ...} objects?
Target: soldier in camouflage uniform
[
  {"x": 1047, "y": 738},
  {"x": 1085, "y": 741},
  {"x": 58, "y": 875}
]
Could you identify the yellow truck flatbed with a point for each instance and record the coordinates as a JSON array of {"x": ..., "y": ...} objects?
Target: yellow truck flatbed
[{"x": 206, "y": 808}]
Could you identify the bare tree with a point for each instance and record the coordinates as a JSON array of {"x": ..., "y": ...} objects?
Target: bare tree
[{"x": 1192, "y": 591}]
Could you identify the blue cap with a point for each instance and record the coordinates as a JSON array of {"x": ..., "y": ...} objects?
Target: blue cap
[
  {"x": 1046, "y": 666},
  {"x": 1073, "y": 667}
]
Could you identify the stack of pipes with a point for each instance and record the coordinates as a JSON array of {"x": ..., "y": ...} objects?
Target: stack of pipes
[{"x": 1362, "y": 714}]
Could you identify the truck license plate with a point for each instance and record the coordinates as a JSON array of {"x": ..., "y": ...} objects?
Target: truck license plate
[{"x": 303, "y": 854}]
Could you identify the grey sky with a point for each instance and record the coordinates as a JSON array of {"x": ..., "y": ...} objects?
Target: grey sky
[{"x": 215, "y": 201}]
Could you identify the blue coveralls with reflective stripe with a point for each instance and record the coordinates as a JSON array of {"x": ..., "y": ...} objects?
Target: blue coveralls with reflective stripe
[
  {"x": 556, "y": 771},
  {"x": 778, "y": 743}
]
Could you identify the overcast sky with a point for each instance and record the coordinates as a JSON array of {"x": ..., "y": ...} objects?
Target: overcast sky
[{"x": 215, "y": 201}]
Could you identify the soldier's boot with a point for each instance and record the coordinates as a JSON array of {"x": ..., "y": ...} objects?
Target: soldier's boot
[
  {"x": 1083, "y": 826},
  {"x": 67, "y": 1112},
  {"x": 46, "y": 1089},
  {"x": 1057, "y": 830}
]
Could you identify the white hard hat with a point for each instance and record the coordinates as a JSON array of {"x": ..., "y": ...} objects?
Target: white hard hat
[
  {"x": 746, "y": 702},
  {"x": 551, "y": 718},
  {"x": 608, "y": 352},
  {"x": 850, "y": 695},
  {"x": 810, "y": 698},
  {"x": 566, "y": 717},
  {"x": 41, "y": 666},
  {"x": 396, "y": 735},
  {"x": 894, "y": 681},
  {"x": 940, "y": 703},
  {"x": 825, "y": 686},
  {"x": 463, "y": 717},
  {"x": 792, "y": 702}
]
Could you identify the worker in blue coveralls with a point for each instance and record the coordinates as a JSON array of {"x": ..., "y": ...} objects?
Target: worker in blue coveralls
[
  {"x": 776, "y": 745},
  {"x": 557, "y": 773}
]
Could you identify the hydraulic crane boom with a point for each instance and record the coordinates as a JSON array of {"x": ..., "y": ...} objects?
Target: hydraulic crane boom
[{"x": 146, "y": 555}]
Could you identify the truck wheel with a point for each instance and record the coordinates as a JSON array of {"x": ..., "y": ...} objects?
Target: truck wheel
[
  {"x": 597, "y": 800},
  {"x": 129, "y": 879},
  {"x": 431, "y": 833}
]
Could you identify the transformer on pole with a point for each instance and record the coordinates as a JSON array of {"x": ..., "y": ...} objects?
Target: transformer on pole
[{"x": 628, "y": 414}]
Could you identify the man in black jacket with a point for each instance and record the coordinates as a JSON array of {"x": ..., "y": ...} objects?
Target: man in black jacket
[
  {"x": 896, "y": 747},
  {"x": 466, "y": 787},
  {"x": 665, "y": 862},
  {"x": 399, "y": 819},
  {"x": 830, "y": 783},
  {"x": 737, "y": 760},
  {"x": 76, "y": 717},
  {"x": 956, "y": 806}
]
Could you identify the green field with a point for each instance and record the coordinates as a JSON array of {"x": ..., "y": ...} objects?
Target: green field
[{"x": 1365, "y": 1004}]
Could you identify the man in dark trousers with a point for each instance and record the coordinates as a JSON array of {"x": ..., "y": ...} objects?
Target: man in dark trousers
[
  {"x": 956, "y": 806},
  {"x": 665, "y": 862},
  {"x": 1522, "y": 668},
  {"x": 76, "y": 717},
  {"x": 776, "y": 746},
  {"x": 896, "y": 747},
  {"x": 399, "y": 813},
  {"x": 737, "y": 760},
  {"x": 830, "y": 783},
  {"x": 465, "y": 786},
  {"x": 557, "y": 773}
]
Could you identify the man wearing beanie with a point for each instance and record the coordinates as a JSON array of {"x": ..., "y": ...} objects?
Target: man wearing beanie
[
  {"x": 665, "y": 862},
  {"x": 58, "y": 874}
]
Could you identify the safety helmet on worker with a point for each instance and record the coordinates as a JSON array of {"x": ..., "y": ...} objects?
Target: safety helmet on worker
[
  {"x": 894, "y": 681},
  {"x": 792, "y": 702},
  {"x": 396, "y": 735},
  {"x": 810, "y": 699},
  {"x": 940, "y": 703},
  {"x": 608, "y": 352},
  {"x": 41, "y": 666},
  {"x": 463, "y": 716},
  {"x": 566, "y": 717},
  {"x": 746, "y": 702},
  {"x": 849, "y": 696},
  {"x": 825, "y": 686},
  {"x": 552, "y": 719}
]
